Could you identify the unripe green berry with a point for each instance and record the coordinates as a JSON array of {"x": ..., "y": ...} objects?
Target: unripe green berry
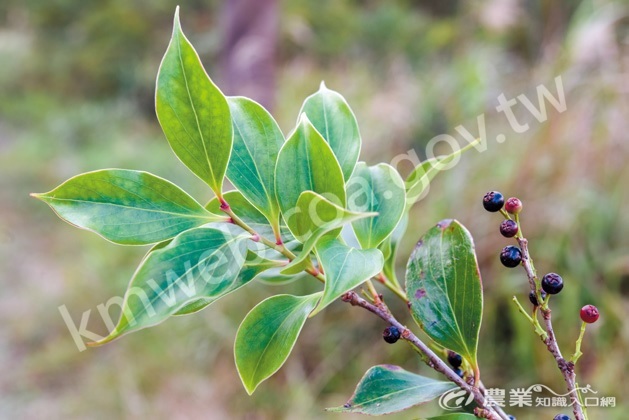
[
  {"x": 589, "y": 314},
  {"x": 493, "y": 201},
  {"x": 552, "y": 283},
  {"x": 391, "y": 334},
  {"x": 454, "y": 359},
  {"x": 510, "y": 256},
  {"x": 509, "y": 228},
  {"x": 513, "y": 205}
]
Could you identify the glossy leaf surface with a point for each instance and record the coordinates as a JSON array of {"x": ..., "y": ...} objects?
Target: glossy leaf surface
[
  {"x": 345, "y": 268},
  {"x": 267, "y": 335},
  {"x": 306, "y": 163},
  {"x": 331, "y": 115},
  {"x": 127, "y": 207},
  {"x": 387, "y": 389},
  {"x": 378, "y": 189},
  {"x": 257, "y": 142},
  {"x": 193, "y": 112},
  {"x": 203, "y": 262},
  {"x": 444, "y": 287}
]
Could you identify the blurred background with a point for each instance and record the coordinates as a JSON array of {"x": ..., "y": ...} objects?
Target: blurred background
[{"x": 76, "y": 94}]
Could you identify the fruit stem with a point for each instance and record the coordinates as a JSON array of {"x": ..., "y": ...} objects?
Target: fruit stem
[
  {"x": 517, "y": 221},
  {"x": 392, "y": 286},
  {"x": 577, "y": 350},
  {"x": 566, "y": 367},
  {"x": 533, "y": 320},
  {"x": 429, "y": 357}
]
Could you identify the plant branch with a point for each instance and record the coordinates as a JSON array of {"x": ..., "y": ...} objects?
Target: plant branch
[
  {"x": 566, "y": 367},
  {"x": 257, "y": 237},
  {"x": 431, "y": 359}
]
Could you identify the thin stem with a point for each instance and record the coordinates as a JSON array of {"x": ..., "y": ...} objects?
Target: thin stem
[
  {"x": 566, "y": 367},
  {"x": 577, "y": 351},
  {"x": 429, "y": 357},
  {"x": 392, "y": 286},
  {"x": 278, "y": 247},
  {"x": 532, "y": 319}
]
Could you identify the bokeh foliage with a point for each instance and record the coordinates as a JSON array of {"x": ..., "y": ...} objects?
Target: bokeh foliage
[{"x": 77, "y": 82}]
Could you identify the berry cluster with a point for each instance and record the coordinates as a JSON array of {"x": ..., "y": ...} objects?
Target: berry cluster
[
  {"x": 550, "y": 284},
  {"x": 511, "y": 256}
]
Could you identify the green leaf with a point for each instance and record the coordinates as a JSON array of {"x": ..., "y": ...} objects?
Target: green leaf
[
  {"x": 257, "y": 142},
  {"x": 253, "y": 266},
  {"x": 345, "y": 268},
  {"x": 306, "y": 163},
  {"x": 315, "y": 217},
  {"x": 418, "y": 180},
  {"x": 389, "y": 248},
  {"x": 333, "y": 118},
  {"x": 267, "y": 335},
  {"x": 193, "y": 112},
  {"x": 377, "y": 189},
  {"x": 387, "y": 389},
  {"x": 202, "y": 262},
  {"x": 444, "y": 287},
  {"x": 127, "y": 207}
]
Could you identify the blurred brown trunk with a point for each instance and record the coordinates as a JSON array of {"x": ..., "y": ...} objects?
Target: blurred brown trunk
[{"x": 250, "y": 32}]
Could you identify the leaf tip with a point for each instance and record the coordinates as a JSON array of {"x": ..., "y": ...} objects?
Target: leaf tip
[
  {"x": 176, "y": 21},
  {"x": 304, "y": 120},
  {"x": 445, "y": 223},
  {"x": 322, "y": 86}
]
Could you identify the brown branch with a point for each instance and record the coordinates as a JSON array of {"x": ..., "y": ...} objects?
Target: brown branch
[
  {"x": 431, "y": 359},
  {"x": 566, "y": 367}
]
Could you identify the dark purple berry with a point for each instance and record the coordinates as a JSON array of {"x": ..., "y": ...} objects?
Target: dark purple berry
[
  {"x": 454, "y": 359},
  {"x": 552, "y": 283},
  {"x": 510, "y": 256},
  {"x": 459, "y": 372},
  {"x": 533, "y": 297},
  {"x": 509, "y": 228},
  {"x": 493, "y": 201},
  {"x": 561, "y": 417},
  {"x": 589, "y": 314},
  {"x": 391, "y": 334},
  {"x": 513, "y": 205}
]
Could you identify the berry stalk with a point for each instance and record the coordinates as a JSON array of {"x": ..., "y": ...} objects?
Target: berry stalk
[
  {"x": 566, "y": 367},
  {"x": 432, "y": 360}
]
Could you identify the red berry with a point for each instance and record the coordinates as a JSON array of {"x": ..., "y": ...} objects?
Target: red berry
[
  {"x": 589, "y": 314},
  {"x": 509, "y": 228},
  {"x": 513, "y": 205}
]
